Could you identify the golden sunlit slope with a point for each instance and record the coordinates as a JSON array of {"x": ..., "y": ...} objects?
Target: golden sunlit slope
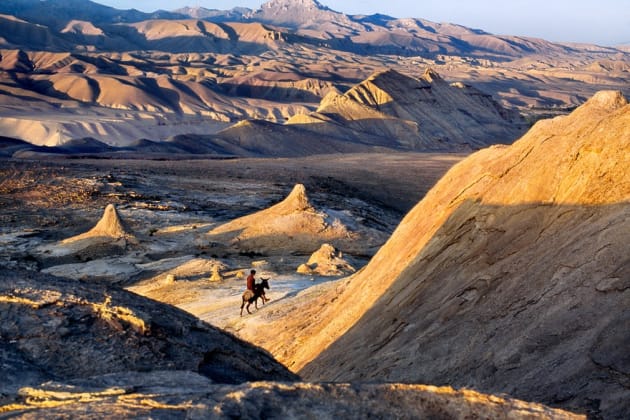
[{"x": 511, "y": 275}]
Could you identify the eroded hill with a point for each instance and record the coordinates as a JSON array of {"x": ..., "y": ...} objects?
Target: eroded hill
[
  {"x": 84, "y": 348},
  {"x": 75, "y": 69},
  {"x": 511, "y": 275}
]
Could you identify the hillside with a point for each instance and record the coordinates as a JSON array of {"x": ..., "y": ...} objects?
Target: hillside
[
  {"x": 74, "y": 69},
  {"x": 511, "y": 275},
  {"x": 86, "y": 348},
  {"x": 298, "y": 21},
  {"x": 295, "y": 226},
  {"x": 58, "y": 329},
  {"x": 426, "y": 113}
]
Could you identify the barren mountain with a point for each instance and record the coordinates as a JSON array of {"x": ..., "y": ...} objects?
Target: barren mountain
[
  {"x": 389, "y": 110},
  {"x": 74, "y": 69},
  {"x": 511, "y": 275},
  {"x": 418, "y": 114},
  {"x": 58, "y": 13},
  {"x": 304, "y": 21}
]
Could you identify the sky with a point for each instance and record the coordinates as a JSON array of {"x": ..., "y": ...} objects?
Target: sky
[{"x": 603, "y": 22}]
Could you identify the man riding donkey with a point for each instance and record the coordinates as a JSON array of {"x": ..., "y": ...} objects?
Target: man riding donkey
[{"x": 255, "y": 289}]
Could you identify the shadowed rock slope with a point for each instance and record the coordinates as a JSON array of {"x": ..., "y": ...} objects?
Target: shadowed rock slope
[
  {"x": 511, "y": 275},
  {"x": 58, "y": 329},
  {"x": 387, "y": 111}
]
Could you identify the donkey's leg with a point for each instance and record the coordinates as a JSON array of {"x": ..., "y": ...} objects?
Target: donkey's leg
[{"x": 242, "y": 305}]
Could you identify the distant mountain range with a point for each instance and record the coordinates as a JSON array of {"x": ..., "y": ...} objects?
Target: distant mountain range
[
  {"x": 63, "y": 25},
  {"x": 291, "y": 78}
]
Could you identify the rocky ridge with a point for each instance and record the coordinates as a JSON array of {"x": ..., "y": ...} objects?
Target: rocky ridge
[
  {"x": 313, "y": 23},
  {"x": 180, "y": 394},
  {"x": 419, "y": 114},
  {"x": 509, "y": 276}
]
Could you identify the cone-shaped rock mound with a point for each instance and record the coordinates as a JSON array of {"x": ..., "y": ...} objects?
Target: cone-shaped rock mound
[
  {"x": 109, "y": 226},
  {"x": 292, "y": 225},
  {"x": 108, "y": 237},
  {"x": 296, "y": 201},
  {"x": 511, "y": 276}
]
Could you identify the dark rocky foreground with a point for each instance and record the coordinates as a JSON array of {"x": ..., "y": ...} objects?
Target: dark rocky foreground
[
  {"x": 59, "y": 329},
  {"x": 177, "y": 394}
]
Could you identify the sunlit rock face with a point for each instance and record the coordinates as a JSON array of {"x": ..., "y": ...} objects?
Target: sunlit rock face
[
  {"x": 326, "y": 261},
  {"x": 511, "y": 275}
]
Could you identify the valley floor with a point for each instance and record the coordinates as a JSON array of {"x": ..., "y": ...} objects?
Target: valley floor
[{"x": 168, "y": 205}]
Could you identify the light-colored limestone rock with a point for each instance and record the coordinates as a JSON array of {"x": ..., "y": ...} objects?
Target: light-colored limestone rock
[{"x": 108, "y": 233}]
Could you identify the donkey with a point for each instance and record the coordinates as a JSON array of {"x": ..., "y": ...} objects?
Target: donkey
[{"x": 252, "y": 297}]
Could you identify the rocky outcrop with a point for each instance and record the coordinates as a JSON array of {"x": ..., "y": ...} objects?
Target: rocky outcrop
[
  {"x": 109, "y": 226},
  {"x": 421, "y": 114},
  {"x": 511, "y": 275},
  {"x": 57, "y": 329},
  {"x": 326, "y": 261},
  {"x": 293, "y": 225},
  {"x": 165, "y": 395},
  {"x": 108, "y": 237}
]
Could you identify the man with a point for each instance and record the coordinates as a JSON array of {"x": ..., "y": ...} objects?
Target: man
[
  {"x": 251, "y": 280},
  {"x": 251, "y": 283}
]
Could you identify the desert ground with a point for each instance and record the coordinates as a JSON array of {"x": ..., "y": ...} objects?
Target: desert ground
[{"x": 168, "y": 205}]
